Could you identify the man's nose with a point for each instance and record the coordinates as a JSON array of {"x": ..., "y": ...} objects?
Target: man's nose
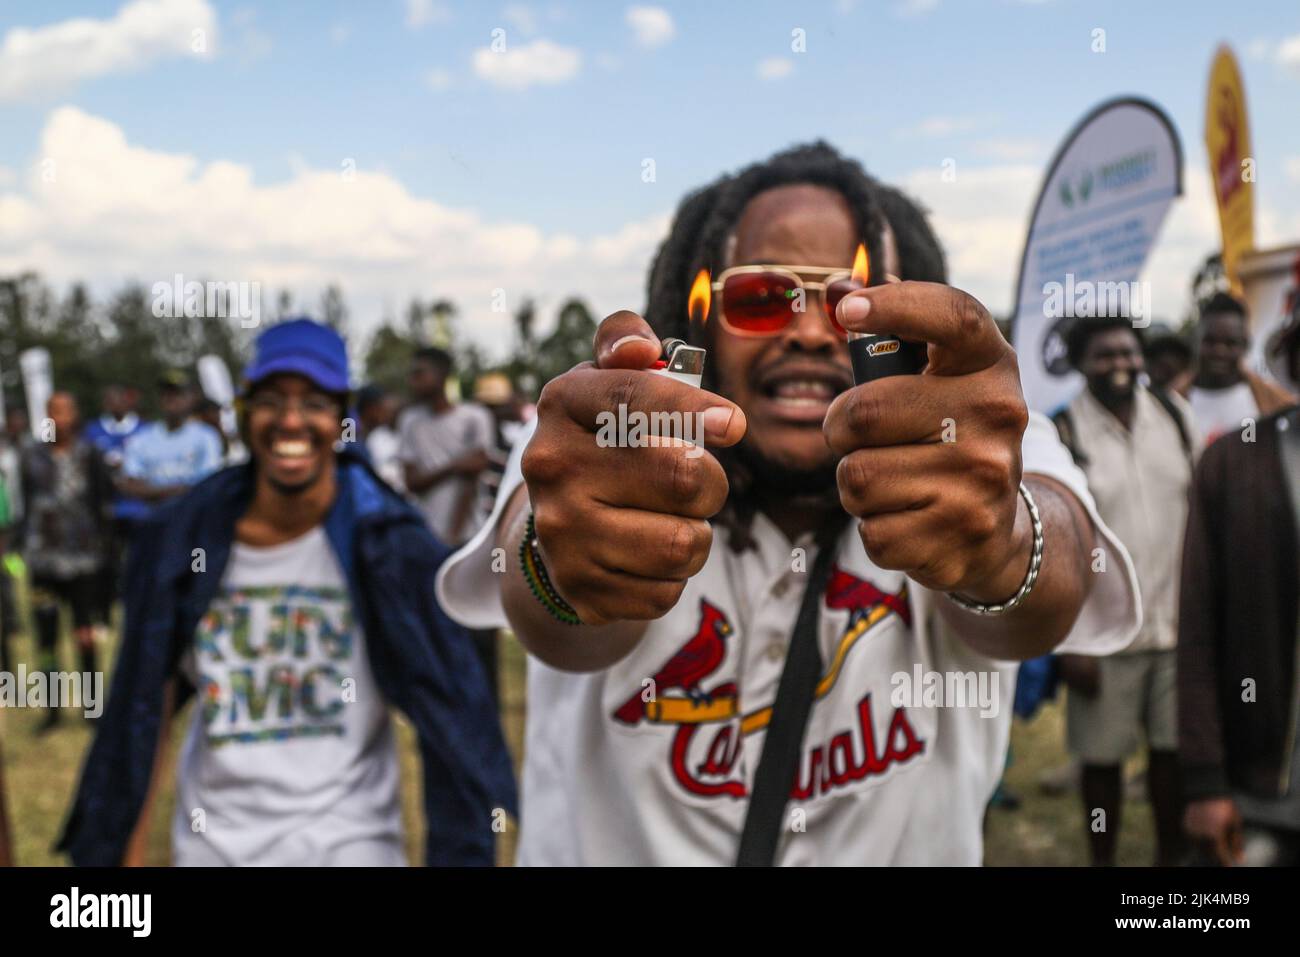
[
  {"x": 810, "y": 330},
  {"x": 291, "y": 418}
]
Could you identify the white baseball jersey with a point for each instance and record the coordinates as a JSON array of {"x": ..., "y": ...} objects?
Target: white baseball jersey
[{"x": 649, "y": 762}]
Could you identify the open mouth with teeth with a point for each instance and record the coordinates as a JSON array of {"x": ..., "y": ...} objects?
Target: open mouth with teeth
[
  {"x": 291, "y": 449},
  {"x": 801, "y": 395}
]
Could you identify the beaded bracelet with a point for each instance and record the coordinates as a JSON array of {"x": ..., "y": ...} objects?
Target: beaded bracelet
[{"x": 539, "y": 583}]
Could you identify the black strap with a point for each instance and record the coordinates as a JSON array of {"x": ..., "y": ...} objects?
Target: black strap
[
  {"x": 1064, "y": 423},
  {"x": 783, "y": 743},
  {"x": 1166, "y": 403}
]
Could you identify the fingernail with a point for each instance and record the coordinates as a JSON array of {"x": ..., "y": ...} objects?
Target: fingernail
[
  {"x": 625, "y": 340},
  {"x": 716, "y": 420},
  {"x": 890, "y": 277},
  {"x": 855, "y": 308}
]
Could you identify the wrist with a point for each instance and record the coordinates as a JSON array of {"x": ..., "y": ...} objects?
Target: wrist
[{"x": 1010, "y": 574}]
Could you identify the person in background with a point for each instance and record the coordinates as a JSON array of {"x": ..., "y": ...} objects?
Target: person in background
[
  {"x": 1168, "y": 356},
  {"x": 1136, "y": 447},
  {"x": 376, "y": 414},
  {"x": 1223, "y": 393},
  {"x": 117, "y": 423},
  {"x": 444, "y": 449},
  {"x": 495, "y": 393},
  {"x": 64, "y": 534},
  {"x": 208, "y": 411},
  {"x": 8, "y": 612},
  {"x": 13, "y": 439},
  {"x": 1238, "y": 638},
  {"x": 109, "y": 433},
  {"x": 16, "y": 437},
  {"x": 165, "y": 458},
  {"x": 313, "y": 615}
]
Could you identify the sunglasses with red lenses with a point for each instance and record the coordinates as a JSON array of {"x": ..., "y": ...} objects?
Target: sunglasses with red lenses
[{"x": 764, "y": 300}]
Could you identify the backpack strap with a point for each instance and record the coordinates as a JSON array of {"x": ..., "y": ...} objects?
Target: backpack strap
[
  {"x": 1064, "y": 423},
  {"x": 1167, "y": 403}
]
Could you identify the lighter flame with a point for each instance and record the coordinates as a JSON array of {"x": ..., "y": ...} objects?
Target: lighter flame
[
  {"x": 861, "y": 265},
  {"x": 697, "y": 306}
]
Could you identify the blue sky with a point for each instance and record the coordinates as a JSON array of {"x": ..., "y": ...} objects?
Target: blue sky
[{"x": 522, "y": 171}]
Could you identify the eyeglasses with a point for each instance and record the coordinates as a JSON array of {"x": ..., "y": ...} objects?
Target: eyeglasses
[
  {"x": 759, "y": 301},
  {"x": 314, "y": 405}
]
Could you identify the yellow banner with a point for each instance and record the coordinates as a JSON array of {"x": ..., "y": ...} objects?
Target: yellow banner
[{"x": 1232, "y": 164}]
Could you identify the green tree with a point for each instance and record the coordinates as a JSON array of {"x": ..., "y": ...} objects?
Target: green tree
[{"x": 388, "y": 357}]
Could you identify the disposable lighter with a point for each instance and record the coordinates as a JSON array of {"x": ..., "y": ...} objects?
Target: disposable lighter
[
  {"x": 875, "y": 356},
  {"x": 682, "y": 362}
]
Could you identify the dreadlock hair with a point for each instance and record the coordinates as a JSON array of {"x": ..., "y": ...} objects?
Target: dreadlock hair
[{"x": 704, "y": 223}]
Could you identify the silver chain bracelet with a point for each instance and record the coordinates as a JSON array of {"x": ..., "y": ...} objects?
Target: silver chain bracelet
[{"x": 1035, "y": 563}]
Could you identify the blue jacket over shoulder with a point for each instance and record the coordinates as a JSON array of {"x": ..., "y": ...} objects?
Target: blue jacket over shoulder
[{"x": 423, "y": 662}]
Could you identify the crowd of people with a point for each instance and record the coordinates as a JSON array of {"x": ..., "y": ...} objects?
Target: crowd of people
[{"x": 715, "y": 641}]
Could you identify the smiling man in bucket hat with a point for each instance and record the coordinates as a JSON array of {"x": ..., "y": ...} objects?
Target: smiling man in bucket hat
[{"x": 295, "y": 595}]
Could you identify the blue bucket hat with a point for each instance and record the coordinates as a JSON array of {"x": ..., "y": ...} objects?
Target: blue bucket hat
[{"x": 304, "y": 347}]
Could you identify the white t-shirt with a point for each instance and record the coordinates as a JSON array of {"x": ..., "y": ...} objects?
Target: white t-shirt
[
  {"x": 430, "y": 441},
  {"x": 1222, "y": 410},
  {"x": 613, "y": 778},
  {"x": 385, "y": 454},
  {"x": 290, "y": 759}
]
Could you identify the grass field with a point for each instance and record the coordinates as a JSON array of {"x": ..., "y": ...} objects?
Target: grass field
[{"x": 41, "y": 773}]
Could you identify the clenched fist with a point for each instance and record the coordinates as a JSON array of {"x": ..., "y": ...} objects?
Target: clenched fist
[
  {"x": 930, "y": 463},
  {"x": 622, "y": 528}
]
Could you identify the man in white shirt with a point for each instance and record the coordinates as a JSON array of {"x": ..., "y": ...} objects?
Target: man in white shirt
[
  {"x": 1224, "y": 395},
  {"x": 1136, "y": 447},
  {"x": 647, "y": 721},
  {"x": 376, "y": 413},
  {"x": 443, "y": 449}
]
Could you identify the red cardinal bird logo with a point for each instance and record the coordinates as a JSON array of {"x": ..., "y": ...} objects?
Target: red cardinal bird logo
[
  {"x": 692, "y": 663},
  {"x": 848, "y": 591}
]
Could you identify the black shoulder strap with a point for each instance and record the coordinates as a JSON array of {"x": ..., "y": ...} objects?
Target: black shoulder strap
[
  {"x": 1166, "y": 403},
  {"x": 783, "y": 742},
  {"x": 1064, "y": 423}
]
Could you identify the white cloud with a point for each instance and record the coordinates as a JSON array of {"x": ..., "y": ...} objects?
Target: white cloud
[
  {"x": 1288, "y": 52},
  {"x": 117, "y": 211},
  {"x": 519, "y": 67},
  {"x": 981, "y": 218},
  {"x": 54, "y": 58},
  {"x": 438, "y": 80},
  {"x": 653, "y": 26},
  {"x": 520, "y": 17},
  {"x": 775, "y": 68},
  {"x": 1293, "y": 168},
  {"x": 420, "y": 13}
]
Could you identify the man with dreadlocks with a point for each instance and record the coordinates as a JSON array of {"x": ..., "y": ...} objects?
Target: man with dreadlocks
[{"x": 798, "y": 648}]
